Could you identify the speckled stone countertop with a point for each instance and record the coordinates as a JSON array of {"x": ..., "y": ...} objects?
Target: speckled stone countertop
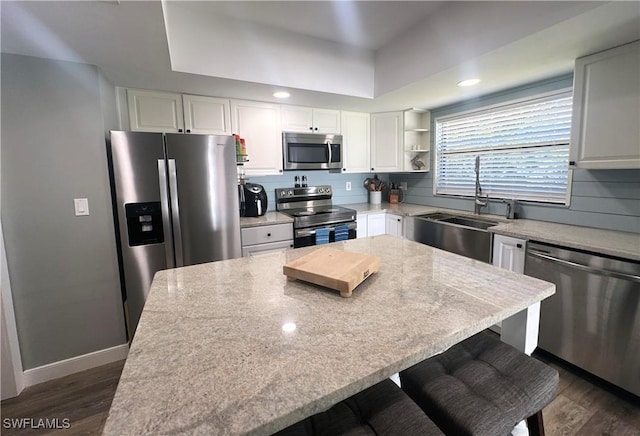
[
  {"x": 232, "y": 347},
  {"x": 608, "y": 242},
  {"x": 405, "y": 209},
  {"x": 268, "y": 219}
]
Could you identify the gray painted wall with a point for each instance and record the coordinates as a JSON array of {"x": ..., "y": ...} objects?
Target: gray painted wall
[
  {"x": 607, "y": 199},
  {"x": 63, "y": 268}
]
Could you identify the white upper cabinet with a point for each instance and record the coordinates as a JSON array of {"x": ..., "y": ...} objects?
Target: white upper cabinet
[
  {"x": 259, "y": 124},
  {"x": 153, "y": 111},
  {"x": 310, "y": 120},
  {"x": 206, "y": 115},
  {"x": 356, "y": 143},
  {"x": 387, "y": 142},
  {"x": 606, "y": 109}
]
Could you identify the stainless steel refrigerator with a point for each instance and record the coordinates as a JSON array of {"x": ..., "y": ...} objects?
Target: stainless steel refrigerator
[{"x": 175, "y": 202}]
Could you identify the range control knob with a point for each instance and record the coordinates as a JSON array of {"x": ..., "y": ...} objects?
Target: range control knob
[
  {"x": 290, "y": 192},
  {"x": 283, "y": 193}
]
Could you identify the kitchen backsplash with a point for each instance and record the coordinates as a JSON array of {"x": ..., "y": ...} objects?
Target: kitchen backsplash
[
  {"x": 606, "y": 199},
  {"x": 338, "y": 182}
]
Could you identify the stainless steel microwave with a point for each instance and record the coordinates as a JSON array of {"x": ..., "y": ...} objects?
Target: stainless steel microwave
[{"x": 311, "y": 151}]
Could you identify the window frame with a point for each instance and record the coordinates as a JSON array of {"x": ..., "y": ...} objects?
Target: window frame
[{"x": 568, "y": 91}]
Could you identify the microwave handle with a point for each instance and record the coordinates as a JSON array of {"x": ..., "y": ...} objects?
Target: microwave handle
[{"x": 329, "y": 148}]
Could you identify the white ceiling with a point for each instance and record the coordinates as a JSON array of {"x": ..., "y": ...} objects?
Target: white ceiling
[
  {"x": 367, "y": 55},
  {"x": 364, "y": 24}
]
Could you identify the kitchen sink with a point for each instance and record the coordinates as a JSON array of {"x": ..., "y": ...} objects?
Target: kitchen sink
[
  {"x": 470, "y": 222},
  {"x": 464, "y": 235}
]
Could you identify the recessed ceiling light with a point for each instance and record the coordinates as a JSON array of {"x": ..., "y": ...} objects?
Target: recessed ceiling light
[
  {"x": 281, "y": 94},
  {"x": 469, "y": 82}
]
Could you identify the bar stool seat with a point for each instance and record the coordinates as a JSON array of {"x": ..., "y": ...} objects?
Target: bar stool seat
[
  {"x": 383, "y": 409},
  {"x": 482, "y": 386}
]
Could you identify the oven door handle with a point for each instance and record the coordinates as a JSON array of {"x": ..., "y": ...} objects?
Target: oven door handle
[{"x": 311, "y": 232}]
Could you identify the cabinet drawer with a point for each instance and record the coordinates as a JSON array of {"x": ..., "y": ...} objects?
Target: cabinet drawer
[
  {"x": 261, "y": 235},
  {"x": 271, "y": 247}
]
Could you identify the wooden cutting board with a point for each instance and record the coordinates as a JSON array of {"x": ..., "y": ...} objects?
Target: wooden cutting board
[{"x": 334, "y": 269}]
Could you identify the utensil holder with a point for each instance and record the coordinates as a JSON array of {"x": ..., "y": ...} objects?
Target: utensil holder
[
  {"x": 375, "y": 197},
  {"x": 394, "y": 196}
]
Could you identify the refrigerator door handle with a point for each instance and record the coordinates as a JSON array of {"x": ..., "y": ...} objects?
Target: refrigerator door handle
[
  {"x": 166, "y": 220},
  {"x": 175, "y": 212}
]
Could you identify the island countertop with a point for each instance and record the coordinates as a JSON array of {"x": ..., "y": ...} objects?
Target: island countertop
[{"x": 232, "y": 347}]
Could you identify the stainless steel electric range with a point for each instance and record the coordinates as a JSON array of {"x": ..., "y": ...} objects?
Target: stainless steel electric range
[{"x": 311, "y": 209}]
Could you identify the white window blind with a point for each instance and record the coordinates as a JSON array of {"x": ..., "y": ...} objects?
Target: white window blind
[{"x": 523, "y": 149}]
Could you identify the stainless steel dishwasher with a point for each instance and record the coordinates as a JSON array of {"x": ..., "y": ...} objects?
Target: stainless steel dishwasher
[{"x": 593, "y": 319}]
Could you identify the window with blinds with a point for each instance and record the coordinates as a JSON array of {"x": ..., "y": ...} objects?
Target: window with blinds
[{"x": 523, "y": 149}]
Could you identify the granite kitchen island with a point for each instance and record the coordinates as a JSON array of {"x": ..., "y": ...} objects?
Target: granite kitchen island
[{"x": 232, "y": 347}]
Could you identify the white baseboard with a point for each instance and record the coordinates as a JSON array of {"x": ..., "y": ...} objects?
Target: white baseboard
[{"x": 72, "y": 365}]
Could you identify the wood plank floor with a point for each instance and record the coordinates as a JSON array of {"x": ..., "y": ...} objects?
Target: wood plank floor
[{"x": 583, "y": 406}]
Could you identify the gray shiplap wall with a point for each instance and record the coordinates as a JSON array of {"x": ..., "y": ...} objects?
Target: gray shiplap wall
[
  {"x": 358, "y": 193},
  {"x": 607, "y": 199}
]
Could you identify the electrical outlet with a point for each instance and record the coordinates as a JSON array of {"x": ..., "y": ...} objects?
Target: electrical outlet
[
  {"x": 348, "y": 186},
  {"x": 403, "y": 185}
]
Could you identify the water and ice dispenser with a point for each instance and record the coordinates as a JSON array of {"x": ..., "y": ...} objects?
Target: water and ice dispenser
[{"x": 144, "y": 223}]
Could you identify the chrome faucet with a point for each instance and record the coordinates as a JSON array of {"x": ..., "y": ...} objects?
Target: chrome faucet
[
  {"x": 511, "y": 209},
  {"x": 478, "y": 203}
]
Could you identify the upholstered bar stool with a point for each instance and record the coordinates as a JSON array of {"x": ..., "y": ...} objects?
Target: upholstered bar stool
[
  {"x": 383, "y": 409},
  {"x": 482, "y": 386}
]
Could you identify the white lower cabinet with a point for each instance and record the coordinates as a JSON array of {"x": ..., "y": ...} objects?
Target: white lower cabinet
[
  {"x": 509, "y": 253},
  {"x": 393, "y": 225},
  {"x": 362, "y": 229},
  {"x": 266, "y": 239},
  {"x": 376, "y": 224},
  {"x": 521, "y": 329},
  {"x": 373, "y": 224}
]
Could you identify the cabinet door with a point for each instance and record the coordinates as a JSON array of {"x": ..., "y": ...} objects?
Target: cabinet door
[
  {"x": 606, "y": 109},
  {"x": 376, "y": 224},
  {"x": 386, "y": 142},
  {"x": 362, "y": 231},
  {"x": 297, "y": 119},
  {"x": 326, "y": 121},
  {"x": 393, "y": 225},
  {"x": 509, "y": 253},
  {"x": 152, "y": 111},
  {"x": 356, "y": 130},
  {"x": 259, "y": 124},
  {"x": 206, "y": 115}
]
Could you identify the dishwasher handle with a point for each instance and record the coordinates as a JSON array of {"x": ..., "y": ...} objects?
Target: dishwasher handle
[{"x": 586, "y": 268}]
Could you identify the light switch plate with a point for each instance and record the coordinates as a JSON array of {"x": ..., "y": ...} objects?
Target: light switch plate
[
  {"x": 348, "y": 186},
  {"x": 81, "y": 206}
]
